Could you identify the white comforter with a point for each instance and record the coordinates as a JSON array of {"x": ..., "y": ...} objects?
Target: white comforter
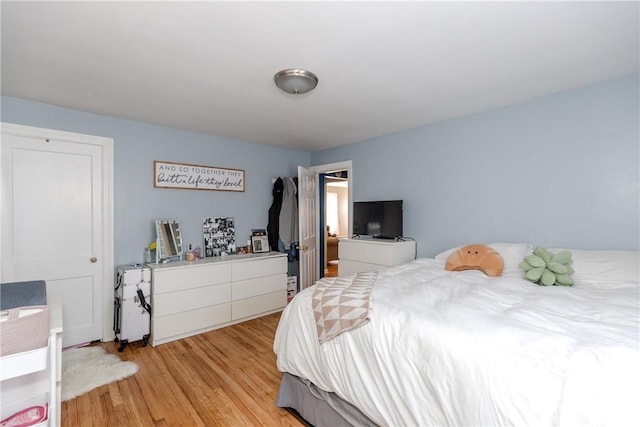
[{"x": 460, "y": 348}]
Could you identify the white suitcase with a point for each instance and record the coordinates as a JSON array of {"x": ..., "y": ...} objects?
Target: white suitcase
[{"x": 132, "y": 309}]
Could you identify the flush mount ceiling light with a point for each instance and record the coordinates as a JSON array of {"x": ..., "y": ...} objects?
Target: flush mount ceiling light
[{"x": 296, "y": 81}]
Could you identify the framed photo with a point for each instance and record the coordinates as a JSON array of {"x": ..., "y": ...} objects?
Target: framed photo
[
  {"x": 258, "y": 232},
  {"x": 260, "y": 243},
  {"x": 219, "y": 236}
]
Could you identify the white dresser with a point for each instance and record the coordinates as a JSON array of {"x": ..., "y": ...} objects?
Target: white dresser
[
  {"x": 358, "y": 255},
  {"x": 191, "y": 297}
]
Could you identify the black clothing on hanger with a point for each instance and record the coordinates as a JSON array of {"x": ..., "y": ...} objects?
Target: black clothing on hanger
[{"x": 273, "y": 227}]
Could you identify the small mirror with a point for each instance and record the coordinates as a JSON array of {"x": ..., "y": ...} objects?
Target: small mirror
[{"x": 169, "y": 240}]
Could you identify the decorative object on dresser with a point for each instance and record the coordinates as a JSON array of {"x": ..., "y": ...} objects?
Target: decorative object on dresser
[
  {"x": 189, "y": 298},
  {"x": 260, "y": 244},
  {"x": 366, "y": 254},
  {"x": 260, "y": 240},
  {"x": 219, "y": 236},
  {"x": 168, "y": 240}
]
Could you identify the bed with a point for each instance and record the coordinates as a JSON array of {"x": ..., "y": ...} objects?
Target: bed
[{"x": 461, "y": 348}]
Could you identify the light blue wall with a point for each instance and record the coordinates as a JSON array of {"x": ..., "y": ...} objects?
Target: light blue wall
[
  {"x": 138, "y": 203},
  {"x": 559, "y": 171}
]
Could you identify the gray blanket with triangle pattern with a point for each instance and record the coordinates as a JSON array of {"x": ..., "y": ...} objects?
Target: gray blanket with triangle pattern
[{"x": 341, "y": 304}]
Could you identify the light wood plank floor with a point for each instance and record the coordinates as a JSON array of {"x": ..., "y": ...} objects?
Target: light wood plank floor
[
  {"x": 332, "y": 270},
  {"x": 226, "y": 377}
]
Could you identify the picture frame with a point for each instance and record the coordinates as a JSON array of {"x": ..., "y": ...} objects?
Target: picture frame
[
  {"x": 219, "y": 236},
  {"x": 196, "y": 177},
  {"x": 260, "y": 244}
]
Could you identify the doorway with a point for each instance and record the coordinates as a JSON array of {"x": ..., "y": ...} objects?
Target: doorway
[
  {"x": 311, "y": 218},
  {"x": 335, "y": 219}
]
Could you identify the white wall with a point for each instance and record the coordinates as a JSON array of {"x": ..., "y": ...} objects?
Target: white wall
[
  {"x": 559, "y": 171},
  {"x": 343, "y": 210}
]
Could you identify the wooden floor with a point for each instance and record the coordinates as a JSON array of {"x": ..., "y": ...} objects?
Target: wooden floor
[
  {"x": 332, "y": 270},
  {"x": 226, "y": 377}
]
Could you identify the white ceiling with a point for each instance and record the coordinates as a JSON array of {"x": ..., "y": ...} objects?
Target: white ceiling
[{"x": 383, "y": 66}]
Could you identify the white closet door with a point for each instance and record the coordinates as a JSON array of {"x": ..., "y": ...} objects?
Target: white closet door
[{"x": 53, "y": 223}]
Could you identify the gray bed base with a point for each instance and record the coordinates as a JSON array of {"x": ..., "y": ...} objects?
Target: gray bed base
[{"x": 318, "y": 407}]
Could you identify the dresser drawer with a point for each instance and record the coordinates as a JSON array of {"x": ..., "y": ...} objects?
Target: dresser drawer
[
  {"x": 258, "y": 268},
  {"x": 194, "y": 276},
  {"x": 189, "y": 322},
  {"x": 190, "y": 299},
  {"x": 260, "y": 304},
  {"x": 259, "y": 286}
]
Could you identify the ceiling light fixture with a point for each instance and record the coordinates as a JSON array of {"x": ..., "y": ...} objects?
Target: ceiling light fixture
[{"x": 295, "y": 80}]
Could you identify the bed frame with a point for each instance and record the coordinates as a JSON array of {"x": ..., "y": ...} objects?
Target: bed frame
[{"x": 317, "y": 407}]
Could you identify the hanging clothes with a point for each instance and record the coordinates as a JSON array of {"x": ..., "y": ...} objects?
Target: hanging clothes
[
  {"x": 273, "y": 227},
  {"x": 288, "y": 227}
]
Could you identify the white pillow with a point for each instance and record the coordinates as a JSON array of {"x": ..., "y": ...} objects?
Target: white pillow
[
  {"x": 442, "y": 256},
  {"x": 512, "y": 254},
  {"x": 604, "y": 269}
]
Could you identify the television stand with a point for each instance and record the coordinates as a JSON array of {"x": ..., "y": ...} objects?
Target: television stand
[{"x": 370, "y": 254}]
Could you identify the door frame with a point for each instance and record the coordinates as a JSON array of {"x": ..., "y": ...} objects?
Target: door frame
[
  {"x": 106, "y": 145},
  {"x": 326, "y": 168}
]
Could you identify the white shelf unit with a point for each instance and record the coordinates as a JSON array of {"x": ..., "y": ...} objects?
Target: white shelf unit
[
  {"x": 360, "y": 255},
  {"x": 34, "y": 377},
  {"x": 192, "y": 297}
]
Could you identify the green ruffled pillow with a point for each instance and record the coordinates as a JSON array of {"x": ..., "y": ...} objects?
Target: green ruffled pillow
[{"x": 546, "y": 269}]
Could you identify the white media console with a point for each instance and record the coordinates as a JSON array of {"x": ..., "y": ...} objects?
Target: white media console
[{"x": 367, "y": 254}]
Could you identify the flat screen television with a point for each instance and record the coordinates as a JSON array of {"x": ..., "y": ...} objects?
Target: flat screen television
[{"x": 381, "y": 219}]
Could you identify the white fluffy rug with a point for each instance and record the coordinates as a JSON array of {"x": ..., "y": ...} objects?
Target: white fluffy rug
[{"x": 86, "y": 368}]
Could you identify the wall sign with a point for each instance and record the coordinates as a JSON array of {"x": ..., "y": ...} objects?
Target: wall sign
[{"x": 194, "y": 177}]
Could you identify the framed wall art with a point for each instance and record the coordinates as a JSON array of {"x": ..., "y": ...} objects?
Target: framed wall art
[{"x": 195, "y": 177}]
